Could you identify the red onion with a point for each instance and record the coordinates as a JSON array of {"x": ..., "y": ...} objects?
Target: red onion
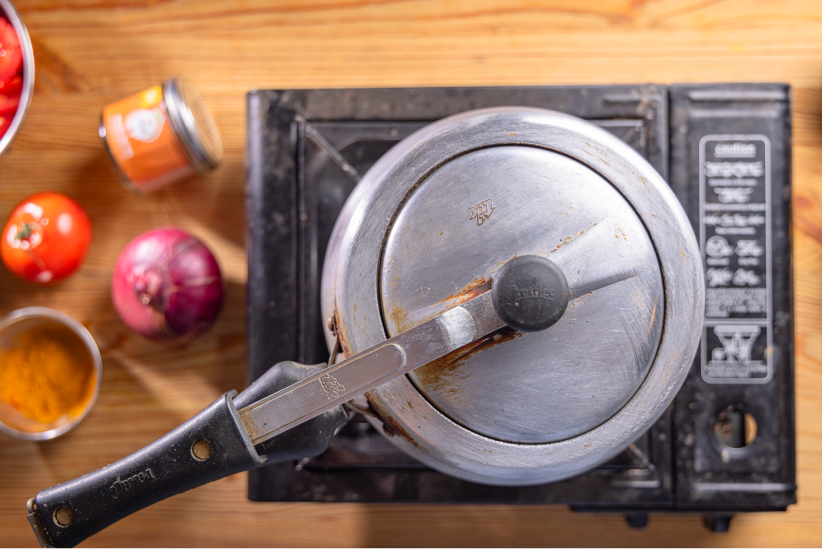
[{"x": 167, "y": 285}]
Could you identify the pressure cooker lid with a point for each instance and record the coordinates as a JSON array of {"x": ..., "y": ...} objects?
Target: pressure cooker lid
[
  {"x": 435, "y": 220},
  {"x": 457, "y": 229}
]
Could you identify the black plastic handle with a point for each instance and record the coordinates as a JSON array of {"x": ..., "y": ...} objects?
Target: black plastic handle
[{"x": 211, "y": 445}]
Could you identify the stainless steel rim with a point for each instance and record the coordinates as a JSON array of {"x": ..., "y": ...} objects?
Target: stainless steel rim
[
  {"x": 185, "y": 127},
  {"x": 349, "y": 291},
  {"x": 8, "y": 9},
  {"x": 80, "y": 330}
]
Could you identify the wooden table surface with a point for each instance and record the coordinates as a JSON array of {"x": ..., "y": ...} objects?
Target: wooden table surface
[{"x": 92, "y": 52}]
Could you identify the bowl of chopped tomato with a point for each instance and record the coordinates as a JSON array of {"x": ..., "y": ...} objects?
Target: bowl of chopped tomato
[{"x": 16, "y": 73}]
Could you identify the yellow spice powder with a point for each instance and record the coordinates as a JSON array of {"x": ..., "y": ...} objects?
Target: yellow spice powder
[{"x": 49, "y": 375}]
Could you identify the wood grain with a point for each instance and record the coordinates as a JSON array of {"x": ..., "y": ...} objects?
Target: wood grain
[{"x": 92, "y": 52}]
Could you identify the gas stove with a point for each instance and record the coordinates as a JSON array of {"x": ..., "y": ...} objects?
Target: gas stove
[{"x": 727, "y": 443}]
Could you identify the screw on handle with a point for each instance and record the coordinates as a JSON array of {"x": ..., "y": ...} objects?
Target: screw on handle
[{"x": 530, "y": 293}]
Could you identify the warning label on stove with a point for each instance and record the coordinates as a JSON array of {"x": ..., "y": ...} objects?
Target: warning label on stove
[
  {"x": 724, "y": 302},
  {"x": 735, "y": 239},
  {"x": 736, "y": 352}
]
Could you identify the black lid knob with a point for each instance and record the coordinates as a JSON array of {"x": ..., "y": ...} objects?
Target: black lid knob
[{"x": 530, "y": 293}]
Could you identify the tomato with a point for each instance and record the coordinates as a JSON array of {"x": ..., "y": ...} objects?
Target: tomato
[
  {"x": 11, "y": 83},
  {"x": 9, "y": 100},
  {"x": 13, "y": 87},
  {"x": 8, "y": 105},
  {"x": 46, "y": 238},
  {"x": 11, "y": 56}
]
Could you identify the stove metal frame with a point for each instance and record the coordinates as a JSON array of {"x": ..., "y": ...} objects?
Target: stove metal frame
[{"x": 306, "y": 151}]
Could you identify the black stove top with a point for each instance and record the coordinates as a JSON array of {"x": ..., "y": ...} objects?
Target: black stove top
[{"x": 308, "y": 148}]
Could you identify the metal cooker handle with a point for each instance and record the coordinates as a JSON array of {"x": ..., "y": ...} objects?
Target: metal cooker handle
[{"x": 529, "y": 294}]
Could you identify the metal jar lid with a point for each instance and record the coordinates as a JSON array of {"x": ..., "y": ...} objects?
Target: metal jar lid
[
  {"x": 437, "y": 217},
  {"x": 193, "y": 124}
]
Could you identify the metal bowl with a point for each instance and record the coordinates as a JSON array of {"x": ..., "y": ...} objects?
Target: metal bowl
[
  {"x": 7, "y": 9},
  {"x": 22, "y": 319}
]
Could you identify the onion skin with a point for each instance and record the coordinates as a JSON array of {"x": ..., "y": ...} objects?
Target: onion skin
[{"x": 167, "y": 285}]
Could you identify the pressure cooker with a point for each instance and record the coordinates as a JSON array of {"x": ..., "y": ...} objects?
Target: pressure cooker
[{"x": 513, "y": 296}]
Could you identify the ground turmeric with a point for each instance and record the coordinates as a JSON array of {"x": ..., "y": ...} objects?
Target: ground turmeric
[{"x": 49, "y": 375}]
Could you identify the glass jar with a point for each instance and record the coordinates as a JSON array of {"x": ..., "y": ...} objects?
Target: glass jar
[{"x": 160, "y": 136}]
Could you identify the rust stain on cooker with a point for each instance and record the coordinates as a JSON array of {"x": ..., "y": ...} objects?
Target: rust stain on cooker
[
  {"x": 338, "y": 332},
  {"x": 572, "y": 237},
  {"x": 390, "y": 426},
  {"x": 400, "y": 318},
  {"x": 473, "y": 289},
  {"x": 480, "y": 285},
  {"x": 504, "y": 261},
  {"x": 438, "y": 375}
]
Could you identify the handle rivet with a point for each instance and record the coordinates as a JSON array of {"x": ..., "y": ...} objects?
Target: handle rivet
[
  {"x": 201, "y": 450},
  {"x": 63, "y": 516}
]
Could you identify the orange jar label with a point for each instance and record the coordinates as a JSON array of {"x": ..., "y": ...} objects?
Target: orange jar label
[{"x": 143, "y": 143}]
